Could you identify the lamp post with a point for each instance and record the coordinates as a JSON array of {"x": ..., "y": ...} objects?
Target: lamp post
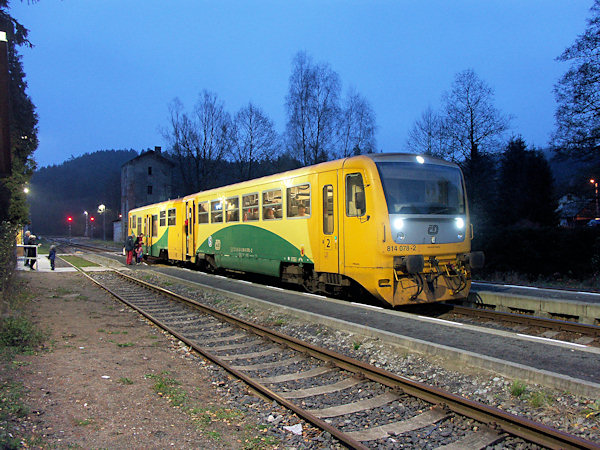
[
  {"x": 595, "y": 183},
  {"x": 102, "y": 210},
  {"x": 86, "y": 224}
]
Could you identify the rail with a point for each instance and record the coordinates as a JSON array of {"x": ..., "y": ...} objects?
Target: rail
[{"x": 495, "y": 418}]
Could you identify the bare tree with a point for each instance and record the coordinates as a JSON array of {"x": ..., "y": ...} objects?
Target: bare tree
[
  {"x": 181, "y": 137},
  {"x": 313, "y": 107},
  {"x": 356, "y": 126},
  {"x": 254, "y": 138},
  {"x": 428, "y": 135},
  {"x": 199, "y": 142},
  {"x": 471, "y": 122},
  {"x": 577, "y": 94}
]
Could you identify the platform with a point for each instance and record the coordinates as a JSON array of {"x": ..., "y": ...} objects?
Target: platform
[{"x": 42, "y": 265}]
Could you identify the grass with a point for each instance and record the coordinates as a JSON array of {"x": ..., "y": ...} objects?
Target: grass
[
  {"x": 126, "y": 344},
  {"x": 78, "y": 261},
  {"x": 538, "y": 399},
  {"x": 356, "y": 345},
  {"x": 517, "y": 388},
  {"x": 84, "y": 422},
  {"x": 125, "y": 381},
  {"x": 169, "y": 388},
  {"x": 593, "y": 410}
]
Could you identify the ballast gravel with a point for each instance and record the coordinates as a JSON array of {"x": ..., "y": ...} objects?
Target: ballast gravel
[{"x": 561, "y": 410}]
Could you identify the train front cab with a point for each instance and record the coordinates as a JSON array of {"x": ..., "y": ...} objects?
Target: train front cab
[{"x": 427, "y": 263}]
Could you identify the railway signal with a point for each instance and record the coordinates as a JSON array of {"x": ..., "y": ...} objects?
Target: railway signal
[{"x": 69, "y": 221}]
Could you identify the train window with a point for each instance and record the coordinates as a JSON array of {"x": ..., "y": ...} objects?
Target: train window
[
  {"x": 133, "y": 222},
  {"x": 139, "y": 224},
  {"x": 298, "y": 201},
  {"x": 163, "y": 218},
  {"x": 272, "y": 204},
  {"x": 171, "y": 217},
  {"x": 216, "y": 211},
  {"x": 250, "y": 207},
  {"x": 203, "y": 212},
  {"x": 233, "y": 209},
  {"x": 154, "y": 226},
  {"x": 328, "y": 211},
  {"x": 355, "y": 195}
]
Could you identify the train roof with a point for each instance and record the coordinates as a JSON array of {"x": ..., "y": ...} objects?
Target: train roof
[{"x": 328, "y": 165}]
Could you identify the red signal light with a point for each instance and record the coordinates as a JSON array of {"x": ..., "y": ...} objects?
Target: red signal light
[
  {"x": 92, "y": 218},
  {"x": 70, "y": 219}
]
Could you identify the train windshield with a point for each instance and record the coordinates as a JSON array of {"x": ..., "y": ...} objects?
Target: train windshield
[{"x": 422, "y": 188}]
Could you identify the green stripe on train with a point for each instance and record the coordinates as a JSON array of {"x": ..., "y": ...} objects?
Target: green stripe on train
[
  {"x": 162, "y": 243},
  {"x": 252, "y": 249}
]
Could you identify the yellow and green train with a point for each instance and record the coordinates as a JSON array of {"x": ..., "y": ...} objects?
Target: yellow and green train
[{"x": 396, "y": 224}]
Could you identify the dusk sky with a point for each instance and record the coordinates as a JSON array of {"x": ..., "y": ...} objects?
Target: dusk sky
[{"x": 102, "y": 73}]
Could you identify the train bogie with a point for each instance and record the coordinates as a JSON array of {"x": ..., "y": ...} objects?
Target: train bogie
[{"x": 398, "y": 225}]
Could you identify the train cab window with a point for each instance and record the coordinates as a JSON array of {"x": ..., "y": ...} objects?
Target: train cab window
[
  {"x": 216, "y": 211},
  {"x": 133, "y": 222},
  {"x": 272, "y": 204},
  {"x": 154, "y": 225},
  {"x": 139, "y": 224},
  {"x": 171, "y": 217},
  {"x": 250, "y": 207},
  {"x": 163, "y": 218},
  {"x": 328, "y": 211},
  {"x": 233, "y": 209},
  {"x": 298, "y": 201},
  {"x": 355, "y": 195},
  {"x": 203, "y": 212}
]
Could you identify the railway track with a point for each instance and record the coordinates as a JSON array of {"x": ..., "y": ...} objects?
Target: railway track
[
  {"x": 360, "y": 405},
  {"x": 526, "y": 320},
  {"x": 569, "y": 330}
]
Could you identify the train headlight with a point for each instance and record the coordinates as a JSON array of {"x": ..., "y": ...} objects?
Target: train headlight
[
  {"x": 399, "y": 224},
  {"x": 460, "y": 223},
  {"x": 420, "y": 159}
]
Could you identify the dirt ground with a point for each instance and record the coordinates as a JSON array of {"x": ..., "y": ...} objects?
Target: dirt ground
[{"x": 107, "y": 379}]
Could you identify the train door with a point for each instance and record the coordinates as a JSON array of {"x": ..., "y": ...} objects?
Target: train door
[
  {"x": 190, "y": 229},
  {"x": 147, "y": 233},
  {"x": 329, "y": 223}
]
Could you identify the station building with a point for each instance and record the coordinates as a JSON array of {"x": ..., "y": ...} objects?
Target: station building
[{"x": 145, "y": 179}]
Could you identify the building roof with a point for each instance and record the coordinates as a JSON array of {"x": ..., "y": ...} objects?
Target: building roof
[{"x": 155, "y": 154}]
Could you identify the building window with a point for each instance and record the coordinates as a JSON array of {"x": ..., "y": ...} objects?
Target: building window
[
  {"x": 149, "y": 190},
  {"x": 149, "y": 170}
]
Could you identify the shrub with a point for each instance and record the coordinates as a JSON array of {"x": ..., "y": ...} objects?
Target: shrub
[{"x": 19, "y": 334}]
